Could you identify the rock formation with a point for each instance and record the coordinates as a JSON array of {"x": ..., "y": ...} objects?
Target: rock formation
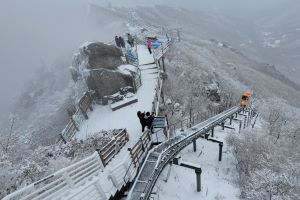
[{"x": 98, "y": 64}]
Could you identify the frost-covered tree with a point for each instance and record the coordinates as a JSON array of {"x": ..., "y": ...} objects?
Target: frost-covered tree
[{"x": 267, "y": 157}]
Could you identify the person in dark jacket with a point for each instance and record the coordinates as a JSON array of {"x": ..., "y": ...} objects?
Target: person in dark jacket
[
  {"x": 130, "y": 40},
  {"x": 142, "y": 119},
  {"x": 122, "y": 42},
  {"x": 117, "y": 41},
  {"x": 149, "y": 120}
]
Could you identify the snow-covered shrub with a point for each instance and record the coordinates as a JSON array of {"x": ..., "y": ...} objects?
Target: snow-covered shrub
[
  {"x": 266, "y": 168},
  {"x": 187, "y": 84}
]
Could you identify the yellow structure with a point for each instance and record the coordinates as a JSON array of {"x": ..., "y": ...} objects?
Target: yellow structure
[{"x": 245, "y": 99}]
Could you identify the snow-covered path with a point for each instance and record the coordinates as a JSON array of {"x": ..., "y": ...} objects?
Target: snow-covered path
[
  {"x": 144, "y": 56},
  {"x": 103, "y": 118}
]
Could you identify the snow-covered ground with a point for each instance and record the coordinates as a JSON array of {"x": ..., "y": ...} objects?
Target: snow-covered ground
[
  {"x": 217, "y": 178},
  {"x": 103, "y": 118}
]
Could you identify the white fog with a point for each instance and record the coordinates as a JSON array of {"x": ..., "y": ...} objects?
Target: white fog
[{"x": 208, "y": 85}]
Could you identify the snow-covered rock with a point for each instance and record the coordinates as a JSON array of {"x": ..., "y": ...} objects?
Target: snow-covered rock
[
  {"x": 100, "y": 65},
  {"x": 168, "y": 101}
]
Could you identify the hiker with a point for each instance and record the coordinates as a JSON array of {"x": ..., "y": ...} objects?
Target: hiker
[
  {"x": 122, "y": 43},
  {"x": 130, "y": 40},
  {"x": 117, "y": 41},
  {"x": 150, "y": 121},
  {"x": 142, "y": 119},
  {"x": 149, "y": 45},
  {"x": 147, "y": 115}
]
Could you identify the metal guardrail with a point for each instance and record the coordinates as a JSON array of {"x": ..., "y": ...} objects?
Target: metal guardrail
[
  {"x": 162, "y": 49},
  {"x": 158, "y": 157},
  {"x": 192, "y": 119},
  {"x": 158, "y": 89}
]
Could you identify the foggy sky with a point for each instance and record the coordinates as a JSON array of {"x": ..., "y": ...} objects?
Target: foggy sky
[{"x": 36, "y": 31}]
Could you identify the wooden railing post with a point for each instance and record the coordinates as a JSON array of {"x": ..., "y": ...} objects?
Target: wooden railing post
[
  {"x": 84, "y": 114},
  {"x": 63, "y": 139},
  {"x": 100, "y": 159},
  {"x": 142, "y": 145}
]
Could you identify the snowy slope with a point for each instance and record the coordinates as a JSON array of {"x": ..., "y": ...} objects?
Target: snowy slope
[{"x": 217, "y": 178}]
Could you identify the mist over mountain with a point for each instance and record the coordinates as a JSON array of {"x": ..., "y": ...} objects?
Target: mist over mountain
[
  {"x": 35, "y": 34},
  {"x": 232, "y": 46}
]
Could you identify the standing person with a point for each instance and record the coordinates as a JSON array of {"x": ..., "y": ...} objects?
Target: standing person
[
  {"x": 122, "y": 43},
  {"x": 149, "y": 45},
  {"x": 151, "y": 119},
  {"x": 147, "y": 119},
  {"x": 142, "y": 119},
  {"x": 117, "y": 41},
  {"x": 130, "y": 40}
]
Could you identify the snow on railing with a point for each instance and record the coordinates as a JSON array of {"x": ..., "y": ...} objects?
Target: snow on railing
[
  {"x": 162, "y": 49},
  {"x": 158, "y": 89},
  {"x": 167, "y": 150},
  {"x": 113, "y": 147},
  {"x": 81, "y": 177},
  {"x": 117, "y": 173},
  {"x": 194, "y": 118},
  {"x": 73, "y": 125},
  {"x": 140, "y": 149},
  {"x": 126, "y": 171}
]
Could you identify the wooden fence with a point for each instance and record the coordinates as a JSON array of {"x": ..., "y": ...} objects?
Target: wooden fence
[
  {"x": 113, "y": 147},
  {"x": 140, "y": 149},
  {"x": 85, "y": 103},
  {"x": 73, "y": 125}
]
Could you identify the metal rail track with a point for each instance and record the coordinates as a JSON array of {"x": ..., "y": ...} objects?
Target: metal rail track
[{"x": 160, "y": 156}]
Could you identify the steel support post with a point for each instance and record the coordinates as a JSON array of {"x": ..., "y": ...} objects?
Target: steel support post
[
  {"x": 220, "y": 151},
  {"x": 163, "y": 63},
  {"x": 198, "y": 178},
  {"x": 181, "y": 129},
  {"x": 195, "y": 145}
]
